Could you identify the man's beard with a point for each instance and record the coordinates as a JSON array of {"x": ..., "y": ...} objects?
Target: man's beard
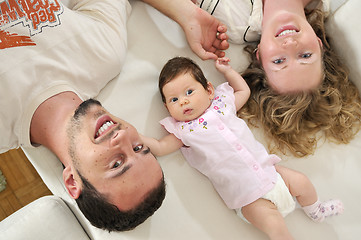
[
  {"x": 84, "y": 107},
  {"x": 75, "y": 125}
]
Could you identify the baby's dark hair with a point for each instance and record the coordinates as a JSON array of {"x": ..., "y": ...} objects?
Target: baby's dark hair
[{"x": 180, "y": 65}]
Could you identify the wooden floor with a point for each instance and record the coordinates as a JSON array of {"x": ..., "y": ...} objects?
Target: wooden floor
[{"x": 24, "y": 184}]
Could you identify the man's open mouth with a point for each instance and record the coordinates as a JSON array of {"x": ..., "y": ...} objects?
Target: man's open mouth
[{"x": 104, "y": 124}]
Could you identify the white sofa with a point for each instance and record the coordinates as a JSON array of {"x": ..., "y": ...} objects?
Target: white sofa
[
  {"x": 192, "y": 209},
  {"x": 45, "y": 218}
]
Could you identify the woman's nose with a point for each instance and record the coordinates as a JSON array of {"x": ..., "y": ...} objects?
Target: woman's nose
[{"x": 289, "y": 42}]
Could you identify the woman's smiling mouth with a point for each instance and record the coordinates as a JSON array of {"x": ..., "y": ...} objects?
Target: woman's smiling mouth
[{"x": 286, "y": 31}]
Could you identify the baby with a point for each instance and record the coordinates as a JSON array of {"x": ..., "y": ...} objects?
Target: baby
[{"x": 220, "y": 145}]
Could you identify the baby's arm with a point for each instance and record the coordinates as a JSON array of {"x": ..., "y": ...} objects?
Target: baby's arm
[
  {"x": 164, "y": 146},
  {"x": 235, "y": 80}
]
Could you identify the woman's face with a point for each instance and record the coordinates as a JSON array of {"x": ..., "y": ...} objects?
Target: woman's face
[{"x": 290, "y": 53}]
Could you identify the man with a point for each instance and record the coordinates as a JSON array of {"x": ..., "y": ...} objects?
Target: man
[
  {"x": 100, "y": 151},
  {"x": 52, "y": 58}
]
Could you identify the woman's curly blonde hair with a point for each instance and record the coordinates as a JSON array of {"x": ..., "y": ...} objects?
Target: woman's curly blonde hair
[{"x": 293, "y": 121}]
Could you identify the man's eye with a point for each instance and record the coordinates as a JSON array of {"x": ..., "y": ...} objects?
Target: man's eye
[
  {"x": 138, "y": 148},
  {"x": 189, "y": 92},
  {"x": 174, "y": 99},
  {"x": 306, "y": 55},
  {"x": 117, "y": 164},
  {"x": 279, "y": 60}
]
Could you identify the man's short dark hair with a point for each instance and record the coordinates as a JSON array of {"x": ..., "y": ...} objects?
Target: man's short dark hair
[{"x": 107, "y": 216}]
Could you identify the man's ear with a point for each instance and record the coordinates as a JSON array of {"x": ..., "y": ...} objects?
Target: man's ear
[
  {"x": 210, "y": 90},
  {"x": 72, "y": 185}
]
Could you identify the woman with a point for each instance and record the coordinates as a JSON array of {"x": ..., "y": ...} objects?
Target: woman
[{"x": 299, "y": 86}]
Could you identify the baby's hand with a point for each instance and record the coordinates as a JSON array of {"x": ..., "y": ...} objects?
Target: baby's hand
[{"x": 222, "y": 64}]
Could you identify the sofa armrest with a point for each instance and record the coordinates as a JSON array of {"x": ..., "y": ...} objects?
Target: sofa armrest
[{"x": 45, "y": 218}]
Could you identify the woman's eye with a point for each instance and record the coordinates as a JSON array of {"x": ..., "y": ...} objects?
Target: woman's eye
[
  {"x": 279, "y": 60},
  {"x": 117, "y": 164},
  {"x": 174, "y": 99},
  {"x": 189, "y": 92},
  {"x": 306, "y": 55},
  {"x": 138, "y": 148}
]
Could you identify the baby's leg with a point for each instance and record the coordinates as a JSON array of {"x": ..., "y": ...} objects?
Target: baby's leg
[
  {"x": 304, "y": 191},
  {"x": 264, "y": 215}
]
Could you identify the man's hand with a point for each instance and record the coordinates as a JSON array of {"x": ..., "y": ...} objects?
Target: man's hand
[{"x": 205, "y": 35}]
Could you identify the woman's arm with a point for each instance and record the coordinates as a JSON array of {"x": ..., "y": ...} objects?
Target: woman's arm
[
  {"x": 164, "y": 146},
  {"x": 205, "y": 34},
  {"x": 235, "y": 80}
]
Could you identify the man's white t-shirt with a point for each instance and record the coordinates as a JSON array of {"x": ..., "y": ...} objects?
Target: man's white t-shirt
[{"x": 47, "y": 48}]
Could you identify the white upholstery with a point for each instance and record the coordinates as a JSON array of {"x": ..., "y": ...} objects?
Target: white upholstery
[
  {"x": 192, "y": 209},
  {"x": 344, "y": 27},
  {"x": 45, "y": 218}
]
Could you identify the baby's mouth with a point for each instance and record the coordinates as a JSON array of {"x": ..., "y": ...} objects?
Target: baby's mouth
[{"x": 187, "y": 111}]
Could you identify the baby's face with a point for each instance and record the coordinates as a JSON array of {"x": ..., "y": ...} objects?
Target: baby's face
[{"x": 185, "y": 98}]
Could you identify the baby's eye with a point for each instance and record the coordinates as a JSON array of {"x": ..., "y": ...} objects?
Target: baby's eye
[
  {"x": 189, "y": 92},
  {"x": 174, "y": 99},
  {"x": 117, "y": 164},
  {"x": 306, "y": 55},
  {"x": 138, "y": 148},
  {"x": 278, "y": 60}
]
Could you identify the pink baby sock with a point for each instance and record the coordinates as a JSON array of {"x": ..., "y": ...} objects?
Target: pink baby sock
[{"x": 320, "y": 210}]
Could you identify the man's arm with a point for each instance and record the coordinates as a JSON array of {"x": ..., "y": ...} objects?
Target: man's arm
[{"x": 205, "y": 34}]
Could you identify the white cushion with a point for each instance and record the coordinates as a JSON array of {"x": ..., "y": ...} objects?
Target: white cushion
[
  {"x": 345, "y": 29},
  {"x": 45, "y": 218}
]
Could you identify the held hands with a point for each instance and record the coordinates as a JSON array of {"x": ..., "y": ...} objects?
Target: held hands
[{"x": 206, "y": 35}]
